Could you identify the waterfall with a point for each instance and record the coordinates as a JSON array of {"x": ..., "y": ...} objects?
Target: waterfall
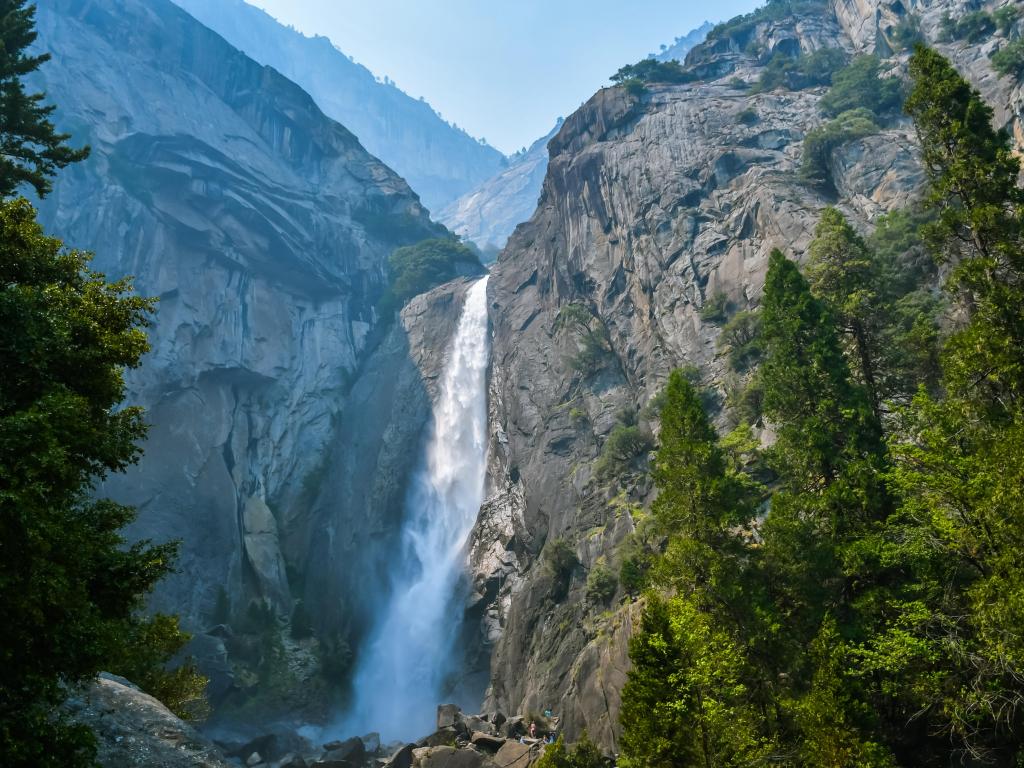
[{"x": 402, "y": 667}]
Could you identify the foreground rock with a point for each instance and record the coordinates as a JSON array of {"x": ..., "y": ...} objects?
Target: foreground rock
[{"x": 134, "y": 730}]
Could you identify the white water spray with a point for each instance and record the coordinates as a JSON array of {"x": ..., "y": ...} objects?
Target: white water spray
[{"x": 402, "y": 669}]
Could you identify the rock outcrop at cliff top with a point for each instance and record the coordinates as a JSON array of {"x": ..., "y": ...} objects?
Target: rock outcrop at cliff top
[
  {"x": 263, "y": 227},
  {"x": 652, "y": 205},
  {"x": 438, "y": 160}
]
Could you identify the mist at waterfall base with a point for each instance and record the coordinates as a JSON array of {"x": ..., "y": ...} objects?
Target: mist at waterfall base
[{"x": 402, "y": 668}]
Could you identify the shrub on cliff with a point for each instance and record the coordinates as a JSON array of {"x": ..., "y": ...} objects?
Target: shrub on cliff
[
  {"x": 623, "y": 446},
  {"x": 821, "y": 142},
  {"x": 601, "y": 584},
  {"x": 1009, "y": 60},
  {"x": 797, "y": 73},
  {"x": 858, "y": 85},
  {"x": 971, "y": 27},
  {"x": 653, "y": 71},
  {"x": 415, "y": 269},
  {"x": 559, "y": 561}
]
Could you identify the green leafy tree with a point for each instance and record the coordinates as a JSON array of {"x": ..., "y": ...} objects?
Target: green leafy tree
[
  {"x": 653, "y": 71},
  {"x": 72, "y": 585},
  {"x": 415, "y": 269},
  {"x": 844, "y": 273},
  {"x": 824, "y": 420},
  {"x": 972, "y": 172},
  {"x": 146, "y": 645},
  {"x": 685, "y": 702},
  {"x": 31, "y": 150},
  {"x": 959, "y": 456}
]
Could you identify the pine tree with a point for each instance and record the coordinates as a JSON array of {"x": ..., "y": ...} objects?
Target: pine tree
[
  {"x": 825, "y": 423},
  {"x": 972, "y": 173},
  {"x": 844, "y": 273},
  {"x": 31, "y": 150},
  {"x": 960, "y": 457},
  {"x": 71, "y": 585}
]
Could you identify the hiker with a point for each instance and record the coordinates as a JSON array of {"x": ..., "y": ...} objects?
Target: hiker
[{"x": 533, "y": 729}]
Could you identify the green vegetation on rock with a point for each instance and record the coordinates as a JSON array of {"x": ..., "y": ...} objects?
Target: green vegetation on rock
[
  {"x": 1009, "y": 60},
  {"x": 804, "y": 71},
  {"x": 860, "y": 602},
  {"x": 415, "y": 269},
  {"x": 652, "y": 71},
  {"x": 820, "y": 143}
]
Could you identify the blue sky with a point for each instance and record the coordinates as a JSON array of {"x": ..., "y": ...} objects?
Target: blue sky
[{"x": 501, "y": 70}]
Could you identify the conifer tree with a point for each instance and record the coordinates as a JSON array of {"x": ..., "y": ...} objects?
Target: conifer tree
[
  {"x": 31, "y": 150},
  {"x": 844, "y": 273}
]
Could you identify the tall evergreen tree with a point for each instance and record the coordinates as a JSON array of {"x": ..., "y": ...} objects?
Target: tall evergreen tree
[
  {"x": 960, "y": 458},
  {"x": 824, "y": 420},
  {"x": 844, "y": 273},
  {"x": 72, "y": 588},
  {"x": 31, "y": 150},
  {"x": 973, "y": 187},
  {"x": 70, "y": 584}
]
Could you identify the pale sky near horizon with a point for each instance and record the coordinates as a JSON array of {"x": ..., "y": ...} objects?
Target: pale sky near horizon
[{"x": 504, "y": 71}]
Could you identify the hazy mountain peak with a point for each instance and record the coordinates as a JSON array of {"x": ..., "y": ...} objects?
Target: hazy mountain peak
[{"x": 439, "y": 160}]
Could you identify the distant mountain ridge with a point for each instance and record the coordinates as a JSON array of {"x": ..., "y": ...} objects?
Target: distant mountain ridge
[
  {"x": 440, "y": 162},
  {"x": 487, "y": 215},
  {"x": 683, "y": 45}
]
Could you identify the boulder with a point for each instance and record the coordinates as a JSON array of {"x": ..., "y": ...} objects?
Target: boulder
[
  {"x": 486, "y": 741},
  {"x": 442, "y": 737},
  {"x": 513, "y": 728},
  {"x": 402, "y": 758},
  {"x": 450, "y": 757},
  {"x": 253, "y": 759},
  {"x": 134, "y": 730},
  {"x": 291, "y": 760},
  {"x": 515, "y": 755},
  {"x": 350, "y": 751},
  {"x": 477, "y": 723},
  {"x": 371, "y": 742},
  {"x": 447, "y": 715}
]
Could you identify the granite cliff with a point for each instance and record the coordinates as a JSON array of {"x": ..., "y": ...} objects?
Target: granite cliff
[
  {"x": 656, "y": 201},
  {"x": 263, "y": 227}
]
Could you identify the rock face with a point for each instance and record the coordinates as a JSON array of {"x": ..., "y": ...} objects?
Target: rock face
[
  {"x": 263, "y": 227},
  {"x": 488, "y": 214},
  {"x": 438, "y": 160},
  {"x": 134, "y": 730},
  {"x": 652, "y": 205}
]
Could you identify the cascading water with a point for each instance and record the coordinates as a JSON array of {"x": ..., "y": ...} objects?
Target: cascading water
[{"x": 402, "y": 669}]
